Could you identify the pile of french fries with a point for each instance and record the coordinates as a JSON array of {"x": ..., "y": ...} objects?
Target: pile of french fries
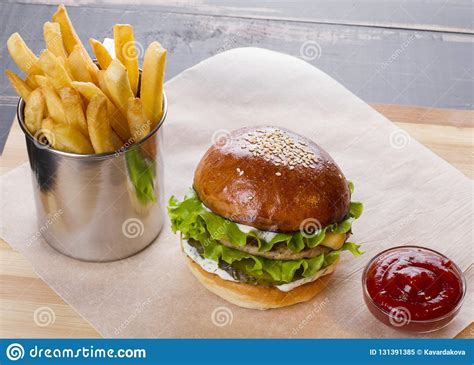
[{"x": 82, "y": 107}]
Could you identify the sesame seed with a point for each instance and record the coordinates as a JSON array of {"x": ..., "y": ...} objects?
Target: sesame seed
[
  {"x": 279, "y": 148},
  {"x": 278, "y": 173}
]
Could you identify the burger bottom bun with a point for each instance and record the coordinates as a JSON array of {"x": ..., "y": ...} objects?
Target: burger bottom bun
[{"x": 256, "y": 297}]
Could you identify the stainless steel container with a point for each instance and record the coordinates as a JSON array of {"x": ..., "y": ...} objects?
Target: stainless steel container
[{"x": 98, "y": 207}]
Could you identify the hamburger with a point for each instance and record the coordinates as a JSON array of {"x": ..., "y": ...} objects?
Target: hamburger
[{"x": 267, "y": 218}]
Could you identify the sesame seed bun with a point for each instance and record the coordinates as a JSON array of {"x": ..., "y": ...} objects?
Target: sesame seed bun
[{"x": 272, "y": 179}]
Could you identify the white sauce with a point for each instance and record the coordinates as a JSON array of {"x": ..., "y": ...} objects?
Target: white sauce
[
  {"x": 206, "y": 264},
  {"x": 213, "y": 268},
  {"x": 267, "y": 236},
  {"x": 245, "y": 229},
  {"x": 109, "y": 45},
  {"x": 296, "y": 283}
]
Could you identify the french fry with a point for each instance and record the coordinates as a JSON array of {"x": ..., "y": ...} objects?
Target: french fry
[
  {"x": 137, "y": 121},
  {"x": 65, "y": 63},
  {"x": 98, "y": 124},
  {"x": 63, "y": 80},
  {"x": 20, "y": 53},
  {"x": 35, "y": 70},
  {"x": 31, "y": 81},
  {"x": 31, "y": 78},
  {"x": 117, "y": 120},
  {"x": 34, "y": 111},
  {"x": 20, "y": 86},
  {"x": 126, "y": 52},
  {"x": 54, "y": 39},
  {"x": 54, "y": 70},
  {"x": 151, "y": 89},
  {"x": 71, "y": 39},
  {"x": 73, "y": 109},
  {"x": 102, "y": 84},
  {"x": 71, "y": 140},
  {"x": 47, "y": 127},
  {"x": 64, "y": 137},
  {"x": 69, "y": 35},
  {"x": 43, "y": 81},
  {"x": 116, "y": 141},
  {"x": 89, "y": 90},
  {"x": 53, "y": 102},
  {"x": 103, "y": 56},
  {"x": 77, "y": 65},
  {"x": 118, "y": 85}
]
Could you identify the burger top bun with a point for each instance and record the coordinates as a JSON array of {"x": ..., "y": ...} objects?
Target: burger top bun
[{"x": 272, "y": 179}]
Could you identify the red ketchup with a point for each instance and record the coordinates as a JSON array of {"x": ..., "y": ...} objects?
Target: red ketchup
[{"x": 414, "y": 284}]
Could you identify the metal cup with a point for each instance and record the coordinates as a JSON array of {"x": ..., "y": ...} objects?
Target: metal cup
[{"x": 98, "y": 207}]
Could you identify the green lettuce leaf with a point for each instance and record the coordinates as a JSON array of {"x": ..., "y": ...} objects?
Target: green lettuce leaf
[
  {"x": 190, "y": 216},
  {"x": 142, "y": 176},
  {"x": 272, "y": 271}
]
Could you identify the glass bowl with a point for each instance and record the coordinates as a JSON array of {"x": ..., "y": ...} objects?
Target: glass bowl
[{"x": 399, "y": 318}]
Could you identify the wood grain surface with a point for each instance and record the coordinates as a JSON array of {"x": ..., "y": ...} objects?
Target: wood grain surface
[{"x": 446, "y": 132}]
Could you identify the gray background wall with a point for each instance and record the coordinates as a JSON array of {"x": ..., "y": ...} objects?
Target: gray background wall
[{"x": 410, "y": 52}]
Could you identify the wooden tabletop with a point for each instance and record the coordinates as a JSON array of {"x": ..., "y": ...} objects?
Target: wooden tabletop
[{"x": 446, "y": 132}]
